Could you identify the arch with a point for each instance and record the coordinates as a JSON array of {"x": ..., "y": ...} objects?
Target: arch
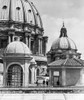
[
  {"x": 14, "y": 63},
  {"x": 15, "y": 76}
]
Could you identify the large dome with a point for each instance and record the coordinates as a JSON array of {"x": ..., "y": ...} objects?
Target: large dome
[
  {"x": 17, "y": 47},
  {"x": 63, "y": 42},
  {"x": 20, "y": 11}
]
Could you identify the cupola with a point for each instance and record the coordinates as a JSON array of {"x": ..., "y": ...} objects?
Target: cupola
[
  {"x": 63, "y": 42},
  {"x": 17, "y": 47}
]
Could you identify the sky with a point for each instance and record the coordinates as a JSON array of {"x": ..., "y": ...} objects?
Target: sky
[{"x": 54, "y": 12}]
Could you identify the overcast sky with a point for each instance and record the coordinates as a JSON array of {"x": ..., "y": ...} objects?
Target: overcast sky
[{"x": 54, "y": 12}]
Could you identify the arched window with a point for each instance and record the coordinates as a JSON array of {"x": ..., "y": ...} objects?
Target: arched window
[{"x": 15, "y": 76}]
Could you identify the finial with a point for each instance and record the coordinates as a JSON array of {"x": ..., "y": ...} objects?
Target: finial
[
  {"x": 63, "y": 24},
  {"x": 63, "y": 31}
]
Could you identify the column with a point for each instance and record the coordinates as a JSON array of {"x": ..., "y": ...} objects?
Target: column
[
  {"x": 26, "y": 70},
  {"x": 45, "y": 43},
  {"x": 11, "y": 36},
  {"x": 63, "y": 77},
  {"x": 39, "y": 46},
  {"x": 9, "y": 39},
  {"x": 50, "y": 83},
  {"x": 4, "y": 75},
  {"x": 26, "y": 38},
  {"x": 48, "y": 58},
  {"x": 45, "y": 48},
  {"x": 29, "y": 44},
  {"x": 33, "y": 75}
]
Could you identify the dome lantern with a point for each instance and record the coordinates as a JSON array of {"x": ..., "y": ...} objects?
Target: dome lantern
[{"x": 63, "y": 32}]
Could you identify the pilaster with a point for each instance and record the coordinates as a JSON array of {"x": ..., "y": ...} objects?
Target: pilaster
[
  {"x": 50, "y": 76},
  {"x": 26, "y": 74},
  {"x": 63, "y": 77},
  {"x": 28, "y": 39},
  {"x": 4, "y": 75},
  {"x": 45, "y": 40},
  {"x": 40, "y": 44},
  {"x": 33, "y": 73}
]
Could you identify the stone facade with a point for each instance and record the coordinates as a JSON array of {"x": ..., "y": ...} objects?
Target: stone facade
[{"x": 20, "y": 18}]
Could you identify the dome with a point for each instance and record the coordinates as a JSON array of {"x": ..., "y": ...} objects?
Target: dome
[
  {"x": 63, "y": 42},
  {"x": 17, "y": 47},
  {"x": 19, "y": 11}
]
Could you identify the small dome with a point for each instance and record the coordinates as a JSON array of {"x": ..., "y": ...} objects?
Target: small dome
[
  {"x": 17, "y": 47},
  {"x": 63, "y": 42}
]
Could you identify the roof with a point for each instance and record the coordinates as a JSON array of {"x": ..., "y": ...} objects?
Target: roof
[
  {"x": 63, "y": 43},
  {"x": 17, "y": 47},
  {"x": 73, "y": 62}
]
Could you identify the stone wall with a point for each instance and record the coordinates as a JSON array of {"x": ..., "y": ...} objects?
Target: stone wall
[{"x": 72, "y": 76}]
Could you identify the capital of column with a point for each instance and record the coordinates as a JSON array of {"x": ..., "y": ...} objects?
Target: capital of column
[
  {"x": 39, "y": 37},
  {"x": 32, "y": 66},
  {"x": 27, "y": 34},
  {"x": 45, "y": 38},
  {"x": 11, "y": 33},
  {"x": 10, "y": 36},
  {"x": 28, "y": 39}
]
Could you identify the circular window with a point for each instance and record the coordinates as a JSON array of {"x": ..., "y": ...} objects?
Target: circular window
[
  {"x": 4, "y": 7},
  {"x": 29, "y": 10},
  {"x": 17, "y": 8}
]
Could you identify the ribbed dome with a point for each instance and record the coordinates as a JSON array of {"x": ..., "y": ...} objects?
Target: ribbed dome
[
  {"x": 22, "y": 11},
  {"x": 63, "y": 42},
  {"x": 17, "y": 47}
]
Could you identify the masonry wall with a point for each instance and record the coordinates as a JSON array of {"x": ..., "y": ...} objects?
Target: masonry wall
[{"x": 72, "y": 76}]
